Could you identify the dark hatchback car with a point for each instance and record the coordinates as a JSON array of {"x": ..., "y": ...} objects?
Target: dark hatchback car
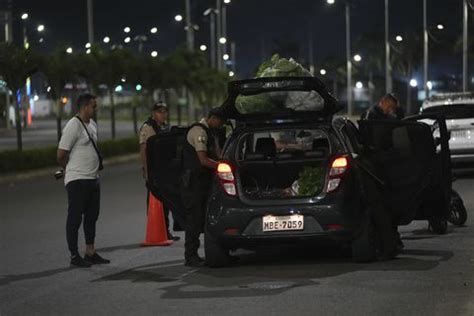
[{"x": 291, "y": 171}]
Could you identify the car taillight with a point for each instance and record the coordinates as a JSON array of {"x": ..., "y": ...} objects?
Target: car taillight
[
  {"x": 226, "y": 178},
  {"x": 338, "y": 168}
]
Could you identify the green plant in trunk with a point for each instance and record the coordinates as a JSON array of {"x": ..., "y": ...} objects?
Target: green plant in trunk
[
  {"x": 16, "y": 64},
  {"x": 310, "y": 181}
]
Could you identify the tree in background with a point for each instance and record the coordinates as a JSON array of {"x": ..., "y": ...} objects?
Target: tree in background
[
  {"x": 113, "y": 65},
  {"x": 16, "y": 65},
  {"x": 406, "y": 59},
  {"x": 59, "y": 70}
]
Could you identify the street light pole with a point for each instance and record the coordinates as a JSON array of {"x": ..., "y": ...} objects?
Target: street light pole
[
  {"x": 348, "y": 57},
  {"x": 90, "y": 22},
  {"x": 425, "y": 51},
  {"x": 388, "y": 66},
  {"x": 465, "y": 46},
  {"x": 189, "y": 27},
  {"x": 232, "y": 56},
  {"x": 219, "y": 34},
  {"x": 212, "y": 28}
]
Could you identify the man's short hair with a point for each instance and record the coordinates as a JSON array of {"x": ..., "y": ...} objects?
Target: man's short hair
[
  {"x": 390, "y": 97},
  {"x": 217, "y": 112},
  {"x": 85, "y": 99}
]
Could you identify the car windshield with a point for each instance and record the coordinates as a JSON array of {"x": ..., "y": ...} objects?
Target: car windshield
[
  {"x": 279, "y": 101},
  {"x": 452, "y": 111}
]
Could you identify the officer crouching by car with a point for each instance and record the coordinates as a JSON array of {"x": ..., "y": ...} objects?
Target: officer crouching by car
[
  {"x": 200, "y": 154},
  {"x": 386, "y": 109}
]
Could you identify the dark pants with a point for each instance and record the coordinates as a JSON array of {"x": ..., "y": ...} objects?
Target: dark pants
[
  {"x": 379, "y": 212},
  {"x": 194, "y": 226},
  {"x": 83, "y": 201}
]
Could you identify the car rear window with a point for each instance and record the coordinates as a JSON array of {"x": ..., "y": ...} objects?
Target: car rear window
[
  {"x": 284, "y": 144},
  {"x": 452, "y": 111}
]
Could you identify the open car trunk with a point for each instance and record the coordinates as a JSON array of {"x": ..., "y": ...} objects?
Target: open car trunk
[{"x": 283, "y": 164}]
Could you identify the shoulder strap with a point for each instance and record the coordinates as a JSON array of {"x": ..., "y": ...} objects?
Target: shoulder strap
[{"x": 92, "y": 140}]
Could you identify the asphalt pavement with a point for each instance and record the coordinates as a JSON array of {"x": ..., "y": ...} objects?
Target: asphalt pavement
[{"x": 434, "y": 275}]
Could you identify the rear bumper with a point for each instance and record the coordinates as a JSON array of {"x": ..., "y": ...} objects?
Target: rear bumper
[
  {"x": 338, "y": 218},
  {"x": 261, "y": 240}
]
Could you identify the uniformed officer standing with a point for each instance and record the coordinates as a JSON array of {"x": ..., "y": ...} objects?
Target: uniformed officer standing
[
  {"x": 200, "y": 154},
  {"x": 155, "y": 124}
]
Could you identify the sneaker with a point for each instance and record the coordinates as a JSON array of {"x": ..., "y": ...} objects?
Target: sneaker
[
  {"x": 172, "y": 237},
  {"x": 95, "y": 259},
  {"x": 78, "y": 261},
  {"x": 194, "y": 262}
]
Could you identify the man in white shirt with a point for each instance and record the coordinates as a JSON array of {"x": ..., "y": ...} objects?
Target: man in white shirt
[{"x": 79, "y": 156}]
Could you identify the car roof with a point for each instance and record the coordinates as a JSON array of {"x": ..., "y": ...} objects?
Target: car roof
[{"x": 449, "y": 99}]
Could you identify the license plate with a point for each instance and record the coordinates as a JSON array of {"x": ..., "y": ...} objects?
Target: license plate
[
  {"x": 282, "y": 223},
  {"x": 458, "y": 134}
]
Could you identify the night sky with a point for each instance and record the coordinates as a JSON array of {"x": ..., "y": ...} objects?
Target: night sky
[{"x": 257, "y": 26}]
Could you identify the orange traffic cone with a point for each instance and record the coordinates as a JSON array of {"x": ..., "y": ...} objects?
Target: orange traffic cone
[{"x": 156, "y": 234}]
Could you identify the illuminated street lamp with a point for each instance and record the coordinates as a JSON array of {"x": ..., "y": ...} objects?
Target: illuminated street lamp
[
  {"x": 203, "y": 48},
  {"x": 69, "y": 50},
  {"x": 127, "y": 39},
  {"x": 127, "y": 29},
  {"x": 154, "y": 54},
  {"x": 225, "y": 57},
  {"x": 399, "y": 38},
  {"x": 88, "y": 45},
  {"x": 413, "y": 83},
  {"x": 40, "y": 28},
  {"x": 154, "y": 30},
  {"x": 357, "y": 58},
  {"x": 322, "y": 72},
  {"x": 106, "y": 39},
  {"x": 178, "y": 18},
  {"x": 24, "y": 16},
  {"x": 222, "y": 40}
]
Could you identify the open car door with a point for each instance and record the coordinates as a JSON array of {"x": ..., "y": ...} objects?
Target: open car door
[
  {"x": 404, "y": 152},
  {"x": 164, "y": 162}
]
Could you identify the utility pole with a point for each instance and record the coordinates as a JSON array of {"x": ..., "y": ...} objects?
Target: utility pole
[
  {"x": 90, "y": 22},
  {"x": 232, "y": 56},
  {"x": 465, "y": 46},
  {"x": 388, "y": 66},
  {"x": 189, "y": 27},
  {"x": 219, "y": 34},
  {"x": 311, "y": 48},
  {"x": 348, "y": 57},
  {"x": 425, "y": 51}
]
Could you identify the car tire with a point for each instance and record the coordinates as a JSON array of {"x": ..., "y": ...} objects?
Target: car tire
[
  {"x": 216, "y": 255},
  {"x": 364, "y": 247},
  {"x": 457, "y": 210},
  {"x": 438, "y": 226}
]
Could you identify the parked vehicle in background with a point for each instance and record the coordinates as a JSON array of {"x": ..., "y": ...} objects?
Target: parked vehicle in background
[{"x": 458, "y": 109}]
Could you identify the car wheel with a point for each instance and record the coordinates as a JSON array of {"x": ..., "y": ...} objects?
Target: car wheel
[
  {"x": 216, "y": 255},
  {"x": 438, "y": 226},
  {"x": 457, "y": 210},
  {"x": 364, "y": 247}
]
